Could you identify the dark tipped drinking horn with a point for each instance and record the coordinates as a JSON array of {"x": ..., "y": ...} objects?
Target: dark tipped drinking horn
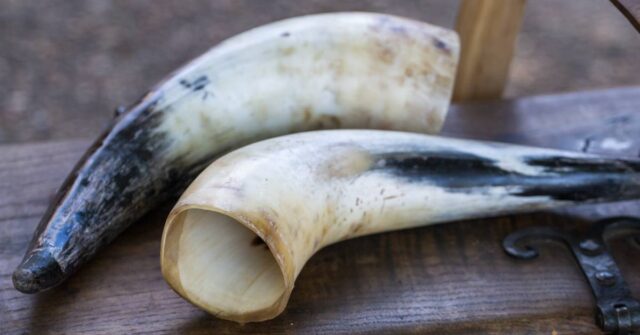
[
  {"x": 240, "y": 234},
  {"x": 345, "y": 70}
]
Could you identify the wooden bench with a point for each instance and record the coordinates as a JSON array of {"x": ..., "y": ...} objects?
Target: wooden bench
[{"x": 452, "y": 278}]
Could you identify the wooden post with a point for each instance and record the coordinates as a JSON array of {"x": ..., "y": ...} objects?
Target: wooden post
[{"x": 488, "y": 31}]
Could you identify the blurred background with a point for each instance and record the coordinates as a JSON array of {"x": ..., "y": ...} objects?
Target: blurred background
[{"x": 65, "y": 65}]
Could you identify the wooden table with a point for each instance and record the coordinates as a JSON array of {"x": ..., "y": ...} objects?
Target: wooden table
[{"x": 451, "y": 278}]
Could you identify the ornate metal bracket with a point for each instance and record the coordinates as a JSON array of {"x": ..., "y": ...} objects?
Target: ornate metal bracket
[{"x": 617, "y": 311}]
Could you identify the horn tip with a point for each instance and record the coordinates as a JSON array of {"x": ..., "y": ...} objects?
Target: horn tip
[{"x": 37, "y": 272}]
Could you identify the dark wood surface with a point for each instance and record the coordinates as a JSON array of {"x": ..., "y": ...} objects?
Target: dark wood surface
[{"x": 446, "y": 279}]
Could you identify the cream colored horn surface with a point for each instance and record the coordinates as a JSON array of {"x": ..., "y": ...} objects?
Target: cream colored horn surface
[
  {"x": 242, "y": 232},
  {"x": 327, "y": 71}
]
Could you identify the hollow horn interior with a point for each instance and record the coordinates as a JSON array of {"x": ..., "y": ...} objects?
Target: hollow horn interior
[
  {"x": 223, "y": 266},
  {"x": 243, "y": 230}
]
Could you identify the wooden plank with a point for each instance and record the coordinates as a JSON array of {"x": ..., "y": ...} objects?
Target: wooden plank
[
  {"x": 488, "y": 31},
  {"x": 451, "y": 278}
]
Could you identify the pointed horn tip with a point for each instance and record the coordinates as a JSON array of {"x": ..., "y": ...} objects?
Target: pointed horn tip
[{"x": 38, "y": 272}]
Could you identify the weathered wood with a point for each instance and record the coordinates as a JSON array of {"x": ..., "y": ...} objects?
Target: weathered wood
[
  {"x": 488, "y": 31},
  {"x": 451, "y": 278}
]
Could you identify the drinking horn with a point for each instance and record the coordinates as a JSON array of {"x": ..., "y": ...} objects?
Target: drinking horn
[
  {"x": 344, "y": 70},
  {"x": 242, "y": 231}
]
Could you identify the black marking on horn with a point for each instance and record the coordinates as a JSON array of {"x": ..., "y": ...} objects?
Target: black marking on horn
[
  {"x": 197, "y": 84},
  {"x": 102, "y": 196},
  {"x": 559, "y": 164},
  {"x": 441, "y": 45},
  {"x": 561, "y": 178},
  {"x": 450, "y": 169}
]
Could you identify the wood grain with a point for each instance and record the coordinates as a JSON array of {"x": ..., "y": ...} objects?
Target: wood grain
[
  {"x": 488, "y": 30},
  {"x": 446, "y": 279}
]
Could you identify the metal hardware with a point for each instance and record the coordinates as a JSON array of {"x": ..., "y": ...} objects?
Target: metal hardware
[{"x": 617, "y": 311}]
